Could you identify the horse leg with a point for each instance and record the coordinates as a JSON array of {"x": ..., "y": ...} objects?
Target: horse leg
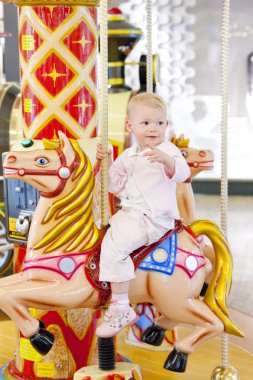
[
  {"x": 207, "y": 326},
  {"x": 165, "y": 323},
  {"x": 12, "y": 279},
  {"x": 154, "y": 334},
  {"x": 15, "y": 300}
]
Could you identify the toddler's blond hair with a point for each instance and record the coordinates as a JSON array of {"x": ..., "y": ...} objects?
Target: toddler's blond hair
[{"x": 147, "y": 99}]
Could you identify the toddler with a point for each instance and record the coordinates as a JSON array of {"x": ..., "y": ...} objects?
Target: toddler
[{"x": 145, "y": 177}]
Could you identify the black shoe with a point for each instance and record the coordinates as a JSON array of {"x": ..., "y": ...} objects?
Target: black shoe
[
  {"x": 154, "y": 335},
  {"x": 176, "y": 361},
  {"x": 42, "y": 341}
]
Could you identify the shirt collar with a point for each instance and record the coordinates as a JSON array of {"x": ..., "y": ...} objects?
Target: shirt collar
[{"x": 132, "y": 151}]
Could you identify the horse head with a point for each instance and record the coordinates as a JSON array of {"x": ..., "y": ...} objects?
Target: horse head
[
  {"x": 63, "y": 174},
  {"x": 45, "y": 164},
  {"x": 197, "y": 160}
]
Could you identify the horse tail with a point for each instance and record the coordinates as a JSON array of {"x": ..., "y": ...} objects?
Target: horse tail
[{"x": 219, "y": 287}]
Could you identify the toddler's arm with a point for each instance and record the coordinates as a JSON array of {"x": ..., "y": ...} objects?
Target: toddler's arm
[
  {"x": 117, "y": 174},
  {"x": 174, "y": 163}
]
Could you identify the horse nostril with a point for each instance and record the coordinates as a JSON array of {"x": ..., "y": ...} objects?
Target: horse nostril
[
  {"x": 11, "y": 159},
  {"x": 202, "y": 153}
]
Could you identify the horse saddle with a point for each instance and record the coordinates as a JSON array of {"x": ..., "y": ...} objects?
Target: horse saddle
[{"x": 159, "y": 256}]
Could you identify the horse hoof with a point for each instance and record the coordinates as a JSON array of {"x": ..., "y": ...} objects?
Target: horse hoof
[
  {"x": 42, "y": 341},
  {"x": 42, "y": 324},
  {"x": 176, "y": 361},
  {"x": 203, "y": 290},
  {"x": 154, "y": 335}
]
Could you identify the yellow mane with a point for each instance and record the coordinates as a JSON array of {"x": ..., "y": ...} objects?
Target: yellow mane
[{"x": 72, "y": 215}]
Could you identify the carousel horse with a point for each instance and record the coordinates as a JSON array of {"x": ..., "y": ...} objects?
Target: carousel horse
[
  {"x": 198, "y": 160},
  {"x": 60, "y": 270}
]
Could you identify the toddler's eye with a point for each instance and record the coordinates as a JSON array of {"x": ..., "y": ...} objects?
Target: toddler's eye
[
  {"x": 41, "y": 161},
  {"x": 145, "y": 123},
  {"x": 161, "y": 123}
]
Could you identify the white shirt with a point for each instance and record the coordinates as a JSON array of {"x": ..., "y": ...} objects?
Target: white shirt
[{"x": 134, "y": 199}]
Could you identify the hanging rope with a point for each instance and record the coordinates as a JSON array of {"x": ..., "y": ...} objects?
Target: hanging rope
[
  {"x": 224, "y": 141},
  {"x": 103, "y": 116},
  {"x": 149, "y": 47}
]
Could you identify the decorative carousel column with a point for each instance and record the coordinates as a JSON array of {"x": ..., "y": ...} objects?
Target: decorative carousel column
[{"x": 58, "y": 54}]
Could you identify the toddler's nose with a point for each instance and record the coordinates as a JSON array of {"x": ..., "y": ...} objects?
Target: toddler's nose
[{"x": 153, "y": 125}]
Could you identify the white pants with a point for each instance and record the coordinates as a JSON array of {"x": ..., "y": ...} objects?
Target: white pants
[{"x": 129, "y": 229}]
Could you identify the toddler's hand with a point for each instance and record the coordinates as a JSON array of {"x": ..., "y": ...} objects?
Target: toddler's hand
[
  {"x": 102, "y": 154},
  {"x": 156, "y": 155}
]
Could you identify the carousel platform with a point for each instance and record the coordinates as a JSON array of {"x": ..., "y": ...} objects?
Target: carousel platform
[{"x": 200, "y": 364}]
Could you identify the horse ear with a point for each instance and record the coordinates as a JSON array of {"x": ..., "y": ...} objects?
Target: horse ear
[
  {"x": 66, "y": 147},
  {"x": 173, "y": 139}
]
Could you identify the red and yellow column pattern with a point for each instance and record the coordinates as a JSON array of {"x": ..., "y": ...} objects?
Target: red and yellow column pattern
[{"x": 58, "y": 55}]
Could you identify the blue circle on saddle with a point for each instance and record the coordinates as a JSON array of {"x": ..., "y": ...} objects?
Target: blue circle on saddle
[{"x": 163, "y": 257}]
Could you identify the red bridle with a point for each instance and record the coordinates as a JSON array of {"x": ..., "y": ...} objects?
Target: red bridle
[
  {"x": 63, "y": 172},
  {"x": 196, "y": 164}
]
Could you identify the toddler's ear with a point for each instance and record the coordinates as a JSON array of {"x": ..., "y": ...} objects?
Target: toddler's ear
[{"x": 128, "y": 125}]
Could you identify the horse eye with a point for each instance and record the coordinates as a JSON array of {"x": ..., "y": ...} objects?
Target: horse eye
[
  {"x": 41, "y": 161},
  {"x": 184, "y": 153}
]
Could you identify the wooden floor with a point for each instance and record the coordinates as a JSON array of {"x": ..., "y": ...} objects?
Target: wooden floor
[
  {"x": 7, "y": 341},
  {"x": 208, "y": 356}
]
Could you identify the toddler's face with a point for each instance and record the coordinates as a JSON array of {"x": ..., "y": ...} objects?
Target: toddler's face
[{"x": 148, "y": 124}]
